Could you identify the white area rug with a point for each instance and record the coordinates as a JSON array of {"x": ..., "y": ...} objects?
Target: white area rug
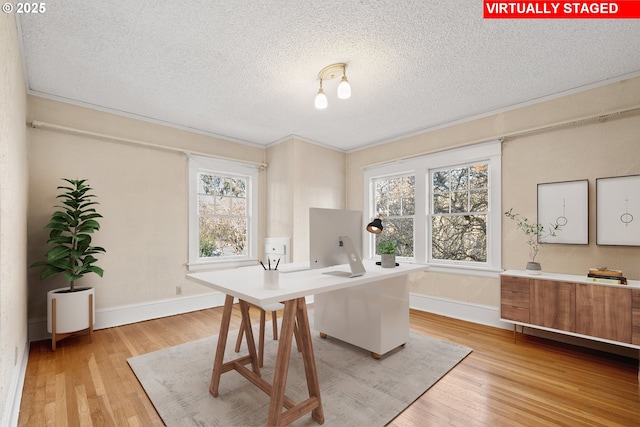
[{"x": 356, "y": 390}]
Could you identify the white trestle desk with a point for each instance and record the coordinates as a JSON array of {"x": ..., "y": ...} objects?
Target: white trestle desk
[{"x": 370, "y": 311}]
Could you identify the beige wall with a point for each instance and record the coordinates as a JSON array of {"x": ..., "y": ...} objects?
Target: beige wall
[
  {"x": 301, "y": 176},
  {"x": 143, "y": 196},
  {"x": 557, "y": 155},
  {"x": 142, "y": 193},
  {"x": 13, "y": 213},
  {"x": 587, "y": 152}
]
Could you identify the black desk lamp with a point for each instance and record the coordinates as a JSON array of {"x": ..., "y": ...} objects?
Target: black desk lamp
[{"x": 375, "y": 226}]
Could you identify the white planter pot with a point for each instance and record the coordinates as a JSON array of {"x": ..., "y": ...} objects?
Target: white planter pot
[{"x": 72, "y": 310}]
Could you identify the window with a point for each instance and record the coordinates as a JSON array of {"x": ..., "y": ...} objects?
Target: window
[
  {"x": 223, "y": 212},
  {"x": 443, "y": 209},
  {"x": 459, "y": 206},
  {"x": 395, "y": 204}
]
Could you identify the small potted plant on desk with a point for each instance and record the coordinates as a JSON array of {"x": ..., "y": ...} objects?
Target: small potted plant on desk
[
  {"x": 71, "y": 309},
  {"x": 387, "y": 251},
  {"x": 535, "y": 234}
]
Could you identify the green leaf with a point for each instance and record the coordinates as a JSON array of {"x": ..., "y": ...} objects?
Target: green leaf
[
  {"x": 58, "y": 226},
  {"x": 89, "y": 259},
  {"x": 49, "y": 271},
  {"x": 60, "y": 240},
  {"x": 90, "y": 216},
  {"x": 71, "y": 277},
  {"x": 57, "y": 252},
  {"x": 55, "y": 233},
  {"x": 95, "y": 250},
  {"x": 61, "y": 264},
  {"x": 60, "y": 216},
  {"x": 82, "y": 238},
  {"x": 95, "y": 269},
  {"x": 90, "y": 224},
  {"x": 39, "y": 264}
]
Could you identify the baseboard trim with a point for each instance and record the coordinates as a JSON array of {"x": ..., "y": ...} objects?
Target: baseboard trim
[
  {"x": 133, "y": 313},
  {"x": 475, "y": 313},
  {"x": 12, "y": 405}
]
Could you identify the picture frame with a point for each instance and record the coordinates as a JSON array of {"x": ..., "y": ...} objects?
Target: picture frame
[
  {"x": 567, "y": 205},
  {"x": 618, "y": 211}
]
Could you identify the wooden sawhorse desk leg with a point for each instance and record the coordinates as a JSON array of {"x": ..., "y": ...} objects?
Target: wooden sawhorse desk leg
[
  {"x": 295, "y": 309},
  {"x": 219, "y": 367}
]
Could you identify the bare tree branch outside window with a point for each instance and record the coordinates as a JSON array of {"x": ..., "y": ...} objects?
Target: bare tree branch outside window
[
  {"x": 460, "y": 203},
  {"x": 223, "y": 215},
  {"x": 395, "y": 205}
]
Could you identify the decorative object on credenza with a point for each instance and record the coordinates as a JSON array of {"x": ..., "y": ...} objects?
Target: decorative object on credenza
[
  {"x": 606, "y": 275},
  {"x": 535, "y": 235},
  {"x": 566, "y": 204},
  {"x": 71, "y": 309},
  {"x": 618, "y": 211}
]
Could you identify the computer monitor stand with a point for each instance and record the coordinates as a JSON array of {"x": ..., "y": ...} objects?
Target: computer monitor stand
[{"x": 354, "y": 258}]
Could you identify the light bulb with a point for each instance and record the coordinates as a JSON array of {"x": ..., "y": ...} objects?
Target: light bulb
[
  {"x": 344, "y": 88},
  {"x": 321, "y": 101}
]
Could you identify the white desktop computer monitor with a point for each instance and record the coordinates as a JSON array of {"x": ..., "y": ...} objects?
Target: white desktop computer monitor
[{"x": 335, "y": 238}]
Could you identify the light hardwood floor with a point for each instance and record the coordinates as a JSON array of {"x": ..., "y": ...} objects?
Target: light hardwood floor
[{"x": 534, "y": 382}]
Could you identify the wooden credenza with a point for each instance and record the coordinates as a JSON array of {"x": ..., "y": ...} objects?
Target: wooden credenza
[{"x": 571, "y": 305}]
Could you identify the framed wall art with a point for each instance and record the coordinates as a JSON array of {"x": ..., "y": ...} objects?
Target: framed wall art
[
  {"x": 618, "y": 211},
  {"x": 567, "y": 205}
]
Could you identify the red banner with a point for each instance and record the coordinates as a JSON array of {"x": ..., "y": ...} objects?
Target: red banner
[{"x": 623, "y": 9}]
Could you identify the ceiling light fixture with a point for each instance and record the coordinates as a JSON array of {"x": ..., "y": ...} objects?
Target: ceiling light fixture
[
  {"x": 330, "y": 72},
  {"x": 321, "y": 99}
]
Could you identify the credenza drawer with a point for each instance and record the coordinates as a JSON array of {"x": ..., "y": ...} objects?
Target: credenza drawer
[
  {"x": 518, "y": 299},
  {"x": 519, "y": 314},
  {"x": 635, "y": 298},
  {"x": 514, "y": 298},
  {"x": 515, "y": 284}
]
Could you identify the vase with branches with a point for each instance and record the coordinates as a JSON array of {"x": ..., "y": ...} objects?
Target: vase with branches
[{"x": 535, "y": 235}]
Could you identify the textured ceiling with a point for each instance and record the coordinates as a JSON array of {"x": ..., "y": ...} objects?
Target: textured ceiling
[{"x": 247, "y": 70}]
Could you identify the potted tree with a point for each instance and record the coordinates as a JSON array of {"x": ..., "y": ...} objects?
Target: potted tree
[
  {"x": 71, "y": 309},
  {"x": 387, "y": 251},
  {"x": 534, "y": 234}
]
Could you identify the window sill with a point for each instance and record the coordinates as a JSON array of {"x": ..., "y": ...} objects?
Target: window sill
[
  {"x": 453, "y": 269},
  {"x": 465, "y": 271},
  {"x": 220, "y": 264}
]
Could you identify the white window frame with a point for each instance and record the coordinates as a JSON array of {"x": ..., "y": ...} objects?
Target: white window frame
[
  {"x": 250, "y": 172},
  {"x": 490, "y": 152}
]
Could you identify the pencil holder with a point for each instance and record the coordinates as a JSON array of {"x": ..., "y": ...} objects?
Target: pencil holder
[{"x": 271, "y": 279}]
